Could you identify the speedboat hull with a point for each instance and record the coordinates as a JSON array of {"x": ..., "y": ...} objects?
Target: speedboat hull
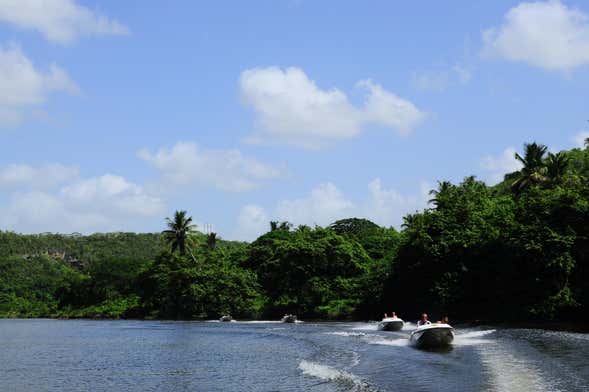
[
  {"x": 391, "y": 324},
  {"x": 432, "y": 336},
  {"x": 290, "y": 318}
]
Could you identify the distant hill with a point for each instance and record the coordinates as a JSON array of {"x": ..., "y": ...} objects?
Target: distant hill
[{"x": 78, "y": 249}]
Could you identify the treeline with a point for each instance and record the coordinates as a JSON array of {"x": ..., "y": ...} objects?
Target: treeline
[{"x": 515, "y": 251}]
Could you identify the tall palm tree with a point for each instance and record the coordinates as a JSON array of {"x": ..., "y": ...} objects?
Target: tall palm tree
[
  {"x": 178, "y": 233},
  {"x": 439, "y": 194},
  {"x": 556, "y": 165},
  {"x": 212, "y": 240},
  {"x": 533, "y": 170},
  {"x": 286, "y": 226}
]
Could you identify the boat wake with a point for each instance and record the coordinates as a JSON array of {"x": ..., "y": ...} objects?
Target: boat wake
[
  {"x": 508, "y": 372},
  {"x": 367, "y": 327},
  {"x": 347, "y": 334},
  {"x": 260, "y": 322},
  {"x": 400, "y": 342},
  {"x": 330, "y": 374},
  {"x": 473, "y": 338}
]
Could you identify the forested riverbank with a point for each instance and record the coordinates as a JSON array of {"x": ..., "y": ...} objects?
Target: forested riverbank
[{"x": 515, "y": 251}]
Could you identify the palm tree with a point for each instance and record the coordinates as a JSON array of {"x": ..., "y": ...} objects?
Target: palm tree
[
  {"x": 286, "y": 226},
  {"x": 587, "y": 142},
  {"x": 178, "y": 233},
  {"x": 556, "y": 165},
  {"x": 212, "y": 240},
  {"x": 533, "y": 170},
  {"x": 283, "y": 226},
  {"x": 444, "y": 188}
]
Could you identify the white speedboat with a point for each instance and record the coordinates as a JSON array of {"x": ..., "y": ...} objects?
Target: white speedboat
[
  {"x": 391, "y": 324},
  {"x": 289, "y": 318},
  {"x": 432, "y": 335},
  {"x": 226, "y": 318}
]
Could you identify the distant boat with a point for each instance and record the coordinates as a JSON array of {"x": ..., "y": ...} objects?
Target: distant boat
[
  {"x": 289, "y": 318},
  {"x": 432, "y": 336},
  {"x": 391, "y": 324},
  {"x": 226, "y": 318}
]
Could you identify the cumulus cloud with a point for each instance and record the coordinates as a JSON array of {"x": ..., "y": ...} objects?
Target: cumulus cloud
[
  {"x": 430, "y": 80},
  {"x": 291, "y": 109},
  {"x": 23, "y": 87},
  {"x": 18, "y": 176},
  {"x": 326, "y": 203},
  {"x": 579, "y": 138},
  {"x": 498, "y": 166},
  {"x": 228, "y": 170},
  {"x": 251, "y": 222},
  {"x": 60, "y": 21},
  {"x": 464, "y": 74},
  {"x": 387, "y": 207},
  {"x": 65, "y": 203},
  {"x": 545, "y": 34},
  {"x": 439, "y": 80}
]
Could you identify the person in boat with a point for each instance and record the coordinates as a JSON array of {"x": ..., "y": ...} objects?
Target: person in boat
[
  {"x": 394, "y": 315},
  {"x": 444, "y": 320},
  {"x": 424, "y": 320},
  {"x": 385, "y": 316}
]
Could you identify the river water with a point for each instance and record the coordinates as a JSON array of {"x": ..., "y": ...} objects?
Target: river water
[{"x": 85, "y": 355}]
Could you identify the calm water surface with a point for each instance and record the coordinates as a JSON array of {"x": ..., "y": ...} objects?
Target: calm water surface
[{"x": 81, "y": 355}]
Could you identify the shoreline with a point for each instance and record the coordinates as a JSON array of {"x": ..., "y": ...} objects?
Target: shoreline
[{"x": 562, "y": 326}]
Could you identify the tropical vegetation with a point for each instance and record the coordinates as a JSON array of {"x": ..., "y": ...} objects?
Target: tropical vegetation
[{"x": 518, "y": 250}]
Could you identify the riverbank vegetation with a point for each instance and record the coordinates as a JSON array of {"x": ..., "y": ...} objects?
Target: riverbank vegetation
[{"x": 518, "y": 250}]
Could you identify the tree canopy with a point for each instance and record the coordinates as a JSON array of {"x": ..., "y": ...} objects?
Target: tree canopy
[{"x": 517, "y": 250}]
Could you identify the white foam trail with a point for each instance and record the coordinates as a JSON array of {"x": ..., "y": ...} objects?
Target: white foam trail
[
  {"x": 348, "y": 334},
  {"x": 511, "y": 374},
  {"x": 476, "y": 334},
  {"x": 472, "y": 338},
  {"x": 329, "y": 373},
  {"x": 367, "y": 327},
  {"x": 356, "y": 359},
  {"x": 409, "y": 326},
  {"x": 259, "y": 321},
  {"x": 402, "y": 342}
]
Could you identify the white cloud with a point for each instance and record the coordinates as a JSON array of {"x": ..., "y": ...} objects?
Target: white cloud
[
  {"x": 579, "y": 138},
  {"x": 385, "y": 108},
  {"x": 439, "y": 80},
  {"x": 104, "y": 203},
  {"x": 251, "y": 222},
  {"x": 292, "y": 109},
  {"x": 497, "y": 166},
  {"x": 326, "y": 204},
  {"x": 113, "y": 194},
  {"x": 228, "y": 170},
  {"x": 430, "y": 80},
  {"x": 387, "y": 207},
  {"x": 463, "y": 73},
  {"x": 545, "y": 34},
  {"x": 41, "y": 177},
  {"x": 22, "y": 86},
  {"x": 60, "y": 21}
]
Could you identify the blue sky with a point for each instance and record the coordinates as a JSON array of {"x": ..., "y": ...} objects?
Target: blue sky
[{"x": 114, "y": 114}]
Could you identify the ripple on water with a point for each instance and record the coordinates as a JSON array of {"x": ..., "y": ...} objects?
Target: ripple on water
[{"x": 327, "y": 373}]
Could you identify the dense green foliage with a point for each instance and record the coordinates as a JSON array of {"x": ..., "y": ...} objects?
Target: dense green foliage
[{"x": 518, "y": 250}]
